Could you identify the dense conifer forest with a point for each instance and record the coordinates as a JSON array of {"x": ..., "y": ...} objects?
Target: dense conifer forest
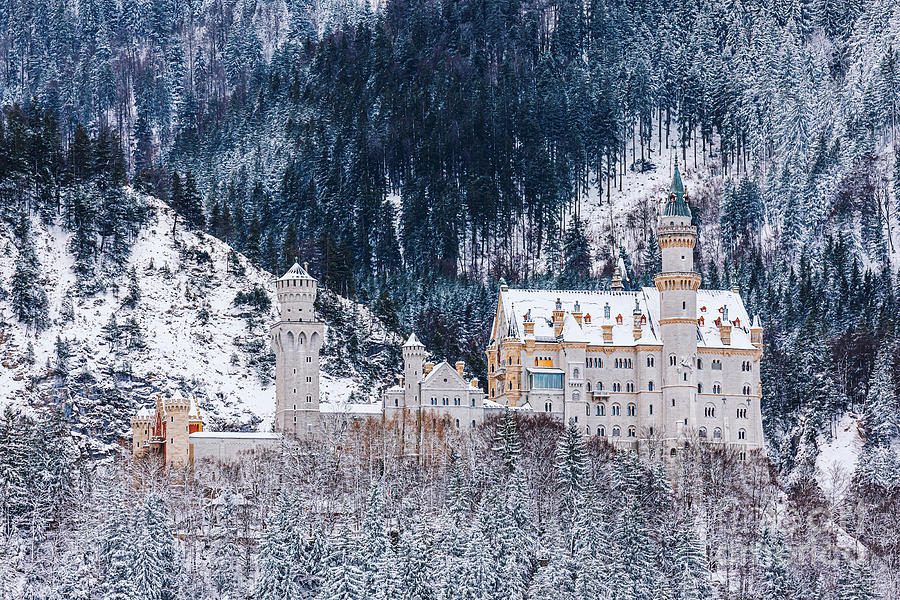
[{"x": 415, "y": 152}]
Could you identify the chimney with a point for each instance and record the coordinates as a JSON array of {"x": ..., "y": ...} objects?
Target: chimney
[
  {"x": 636, "y": 314},
  {"x": 460, "y": 367},
  {"x": 617, "y": 280},
  {"x": 474, "y": 382},
  {"x": 558, "y": 315},
  {"x": 577, "y": 312},
  {"x": 401, "y": 381},
  {"x": 529, "y": 324},
  {"x": 427, "y": 368},
  {"x": 607, "y": 333}
]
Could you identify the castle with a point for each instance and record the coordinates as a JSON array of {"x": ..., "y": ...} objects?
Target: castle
[{"x": 668, "y": 365}]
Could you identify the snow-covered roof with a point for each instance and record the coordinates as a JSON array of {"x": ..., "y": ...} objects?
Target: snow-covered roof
[
  {"x": 515, "y": 304},
  {"x": 145, "y": 411},
  {"x": 443, "y": 366},
  {"x": 413, "y": 341},
  {"x": 296, "y": 272}
]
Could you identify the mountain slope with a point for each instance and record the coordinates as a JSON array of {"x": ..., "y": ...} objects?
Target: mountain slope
[{"x": 165, "y": 320}]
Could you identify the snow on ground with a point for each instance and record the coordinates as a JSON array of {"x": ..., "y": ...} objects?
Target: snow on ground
[
  {"x": 837, "y": 457},
  {"x": 194, "y": 337}
]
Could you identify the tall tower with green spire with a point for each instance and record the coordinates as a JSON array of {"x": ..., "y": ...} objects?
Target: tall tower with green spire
[{"x": 677, "y": 285}]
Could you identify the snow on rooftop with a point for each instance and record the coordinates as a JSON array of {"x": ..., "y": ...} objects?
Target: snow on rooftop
[
  {"x": 621, "y": 305},
  {"x": 371, "y": 409},
  {"x": 233, "y": 435}
]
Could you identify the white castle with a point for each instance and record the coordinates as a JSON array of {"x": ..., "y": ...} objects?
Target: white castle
[{"x": 667, "y": 365}]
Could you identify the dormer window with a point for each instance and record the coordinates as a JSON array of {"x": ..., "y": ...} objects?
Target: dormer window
[{"x": 618, "y": 319}]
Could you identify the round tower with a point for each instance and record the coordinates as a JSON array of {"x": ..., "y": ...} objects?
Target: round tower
[
  {"x": 677, "y": 285},
  {"x": 175, "y": 417},
  {"x": 296, "y": 339},
  {"x": 413, "y": 370}
]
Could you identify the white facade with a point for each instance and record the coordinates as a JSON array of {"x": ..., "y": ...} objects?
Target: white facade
[
  {"x": 229, "y": 446},
  {"x": 671, "y": 363},
  {"x": 438, "y": 392},
  {"x": 296, "y": 339}
]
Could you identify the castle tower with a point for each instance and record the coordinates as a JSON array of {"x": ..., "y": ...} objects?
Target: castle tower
[
  {"x": 413, "y": 370},
  {"x": 296, "y": 340},
  {"x": 176, "y": 416},
  {"x": 677, "y": 285}
]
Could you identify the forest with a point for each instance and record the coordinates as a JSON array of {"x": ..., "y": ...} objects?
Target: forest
[{"x": 415, "y": 152}]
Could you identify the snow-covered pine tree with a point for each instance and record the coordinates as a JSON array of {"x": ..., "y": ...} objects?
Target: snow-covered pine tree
[{"x": 880, "y": 410}]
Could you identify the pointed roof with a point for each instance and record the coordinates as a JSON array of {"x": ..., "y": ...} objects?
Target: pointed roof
[
  {"x": 297, "y": 272},
  {"x": 413, "y": 341},
  {"x": 676, "y": 205},
  {"x": 756, "y": 324}
]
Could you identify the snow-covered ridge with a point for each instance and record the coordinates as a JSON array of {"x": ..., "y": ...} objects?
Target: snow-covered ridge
[{"x": 192, "y": 336}]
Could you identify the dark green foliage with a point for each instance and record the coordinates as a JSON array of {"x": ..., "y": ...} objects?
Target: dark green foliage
[{"x": 256, "y": 298}]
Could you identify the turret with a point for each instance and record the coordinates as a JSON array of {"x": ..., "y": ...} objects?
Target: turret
[
  {"x": 677, "y": 285},
  {"x": 756, "y": 333},
  {"x": 413, "y": 369},
  {"x": 296, "y": 340}
]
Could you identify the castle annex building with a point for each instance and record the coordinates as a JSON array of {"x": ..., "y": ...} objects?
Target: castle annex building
[{"x": 671, "y": 362}]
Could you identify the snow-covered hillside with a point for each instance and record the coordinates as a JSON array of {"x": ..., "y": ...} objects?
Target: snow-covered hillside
[{"x": 100, "y": 358}]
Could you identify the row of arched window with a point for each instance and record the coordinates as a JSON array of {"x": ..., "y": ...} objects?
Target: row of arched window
[
  {"x": 616, "y": 386},
  {"x": 616, "y": 431},
  {"x": 623, "y": 363}
]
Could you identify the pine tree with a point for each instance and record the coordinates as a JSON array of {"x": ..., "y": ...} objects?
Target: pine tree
[
  {"x": 856, "y": 582},
  {"x": 772, "y": 580},
  {"x": 571, "y": 469},
  {"x": 28, "y": 297},
  {"x": 156, "y": 564},
  {"x": 881, "y": 400},
  {"x": 692, "y": 578}
]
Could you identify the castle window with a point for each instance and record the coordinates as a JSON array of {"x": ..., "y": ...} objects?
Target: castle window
[
  {"x": 650, "y": 386},
  {"x": 617, "y": 387},
  {"x": 576, "y": 373},
  {"x": 702, "y": 433},
  {"x": 587, "y": 410},
  {"x": 309, "y": 359},
  {"x": 616, "y": 431},
  {"x": 684, "y": 376},
  {"x": 699, "y": 364},
  {"x": 673, "y": 452},
  {"x": 445, "y": 401},
  {"x": 618, "y": 319},
  {"x": 632, "y": 432},
  {"x": 717, "y": 365},
  {"x": 742, "y": 455},
  {"x": 742, "y": 434},
  {"x": 673, "y": 401},
  {"x": 651, "y": 410},
  {"x": 295, "y": 371},
  {"x": 587, "y": 429},
  {"x": 588, "y": 386},
  {"x": 601, "y": 432},
  {"x": 598, "y": 410},
  {"x": 473, "y": 423},
  {"x": 629, "y": 387},
  {"x": 473, "y": 401},
  {"x": 746, "y": 390},
  {"x": 742, "y": 413},
  {"x": 599, "y": 386},
  {"x": 457, "y": 423},
  {"x": 548, "y": 407},
  {"x": 717, "y": 433},
  {"x": 651, "y": 431},
  {"x": 672, "y": 360},
  {"x": 709, "y": 412},
  {"x": 616, "y": 410},
  {"x": 433, "y": 401},
  {"x": 456, "y": 402},
  {"x": 309, "y": 380},
  {"x": 632, "y": 410},
  {"x": 650, "y": 361},
  {"x": 396, "y": 402},
  {"x": 717, "y": 388},
  {"x": 295, "y": 390}
]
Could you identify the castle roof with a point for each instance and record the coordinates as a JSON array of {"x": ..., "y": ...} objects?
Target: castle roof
[
  {"x": 296, "y": 272},
  {"x": 515, "y": 303},
  {"x": 676, "y": 204},
  {"x": 413, "y": 341}
]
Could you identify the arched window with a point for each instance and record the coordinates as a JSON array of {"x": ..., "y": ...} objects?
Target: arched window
[
  {"x": 673, "y": 452},
  {"x": 699, "y": 388},
  {"x": 616, "y": 431},
  {"x": 576, "y": 373},
  {"x": 632, "y": 410},
  {"x": 717, "y": 388},
  {"x": 601, "y": 410},
  {"x": 672, "y": 360},
  {"x": 599, "y": 386},
  {"x": 710, "y": 411},
  {"x": 650, "y": 386},
  {"x": 576, "y": 396},
  {"x": 702, "y": 433},
  {"x": 617, "y": 387},
  {"x": 601, "y": 432},
  {"x": 746, "y": 389},
  {"x": 616, "y": 410},
  {"x": 650, "y": 361},
  {"x": 587, "y": 430},
  {"x": 742, "y": 434},
  {"x": 673, "y": 401},
  {"x": 699, "y": 364},
  {"x": 717, "y": 433},
  {"x": 632, "y": 432},
  {"x": 457, "y": 423},
  {"x": 629, "y": 387},
  {"x": 588, "y": 386},
  {"x": 548, "y": 407},
  {"x": 742, "y": 412}
]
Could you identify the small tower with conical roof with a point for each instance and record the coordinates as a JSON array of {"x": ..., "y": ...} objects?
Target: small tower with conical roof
[
  {"x": 677, "y": 285},
  {"x": 296, "y": 339},
  {"x": 413, "y": 370}
]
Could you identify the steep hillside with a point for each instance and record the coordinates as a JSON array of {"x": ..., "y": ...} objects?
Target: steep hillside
[{"x": 168, "y": 320}]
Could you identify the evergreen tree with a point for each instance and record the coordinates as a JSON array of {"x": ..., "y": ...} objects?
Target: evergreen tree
[
  {"x": 881, "y": 400},
  {"x": 28, "y": 297}
]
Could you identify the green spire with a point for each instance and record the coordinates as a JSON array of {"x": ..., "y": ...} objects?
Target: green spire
[{"x": 676, "y": 205}]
